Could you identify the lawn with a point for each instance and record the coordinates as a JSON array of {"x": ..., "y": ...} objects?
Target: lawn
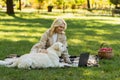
[{"x": 84, "y": 34}]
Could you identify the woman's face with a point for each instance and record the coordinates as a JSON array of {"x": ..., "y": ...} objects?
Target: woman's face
[{"x": 59, "y": 29}]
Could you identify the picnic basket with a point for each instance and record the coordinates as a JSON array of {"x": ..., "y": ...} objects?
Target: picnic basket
[{"x": 105, "y": 51}]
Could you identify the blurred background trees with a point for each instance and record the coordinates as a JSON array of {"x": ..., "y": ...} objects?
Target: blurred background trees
[
  {"x": 58, "y": 4},
  {"x": 116, "y": 3}
]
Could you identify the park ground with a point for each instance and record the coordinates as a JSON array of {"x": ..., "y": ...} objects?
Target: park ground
[{"x": 85, "y": 33}]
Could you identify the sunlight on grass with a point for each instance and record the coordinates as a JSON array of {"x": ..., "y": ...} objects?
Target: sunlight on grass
[
  {"x": 87, "y": 73},
  {"x": 95, "y": 38},
  {"x": 6, "y": 17},
  {"x": 21, "y": 33},
  {"x": 111, "y": 22},
  {"x": 75, "y": 41},
  {"x": 112, "y": 42},
  {"x": 98, "y": 31}
]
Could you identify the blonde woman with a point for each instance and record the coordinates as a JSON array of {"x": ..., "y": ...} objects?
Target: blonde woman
[{"x": 54, "y": 34}]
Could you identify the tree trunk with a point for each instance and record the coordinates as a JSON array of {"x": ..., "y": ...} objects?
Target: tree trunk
[
  {"x": 9, "y": 4},
  {"x": 20, "y": 5},
  {"x": 63, "y": 7},
  {"x": 88, "y": 4}
]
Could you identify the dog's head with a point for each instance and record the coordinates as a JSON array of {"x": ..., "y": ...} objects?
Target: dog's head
[{"x": 59, "y": 48}]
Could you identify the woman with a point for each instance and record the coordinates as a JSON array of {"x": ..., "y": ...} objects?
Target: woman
[{"x": 54, "y": 34}]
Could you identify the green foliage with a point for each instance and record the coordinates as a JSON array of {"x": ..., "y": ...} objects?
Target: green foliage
[
  {"x": 115, "y": 2},
  {"x": 84, "y": 34},
  {"x": 39, "y": 1},
  {"x": 3, "y": 3},
  {"x": 79, "y": 2}
]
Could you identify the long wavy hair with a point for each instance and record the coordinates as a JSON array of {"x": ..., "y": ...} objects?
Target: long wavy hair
[{"x": 56, "y": 23}]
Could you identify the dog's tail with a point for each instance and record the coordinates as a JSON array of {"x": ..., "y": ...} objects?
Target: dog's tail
[
  {"x": 3, "y": 63},
  {"x": 14, "y": 64}
]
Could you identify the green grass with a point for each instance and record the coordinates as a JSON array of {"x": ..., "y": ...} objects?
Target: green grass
[{"x": 84, "y": 34}]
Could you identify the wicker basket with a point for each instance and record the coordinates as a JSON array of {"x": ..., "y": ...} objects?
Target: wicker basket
[{"x": 105, "y": 51}]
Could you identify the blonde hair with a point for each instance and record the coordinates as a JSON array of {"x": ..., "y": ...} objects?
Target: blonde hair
[{"x": 56, "y": 23}]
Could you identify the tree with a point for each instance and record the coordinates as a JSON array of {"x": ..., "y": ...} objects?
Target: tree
[
  {"x": 10, "y": 9},
  {"x": 115, "y": 2},
  {"x": 20, "y": 5},
  {"x": 88, "y": 4}
]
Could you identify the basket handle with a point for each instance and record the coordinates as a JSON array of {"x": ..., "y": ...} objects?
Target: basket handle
[{"x": 103, "y": 45}]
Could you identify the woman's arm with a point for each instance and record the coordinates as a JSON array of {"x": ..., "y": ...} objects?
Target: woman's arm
[
  {"x": 40, "y": 46},
  {"x": 66, "y": 54}
]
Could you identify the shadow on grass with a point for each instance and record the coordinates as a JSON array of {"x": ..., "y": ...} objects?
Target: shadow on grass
[
  {"x": 14, "y": 47},
  {"x": 21, "y": 21}
]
